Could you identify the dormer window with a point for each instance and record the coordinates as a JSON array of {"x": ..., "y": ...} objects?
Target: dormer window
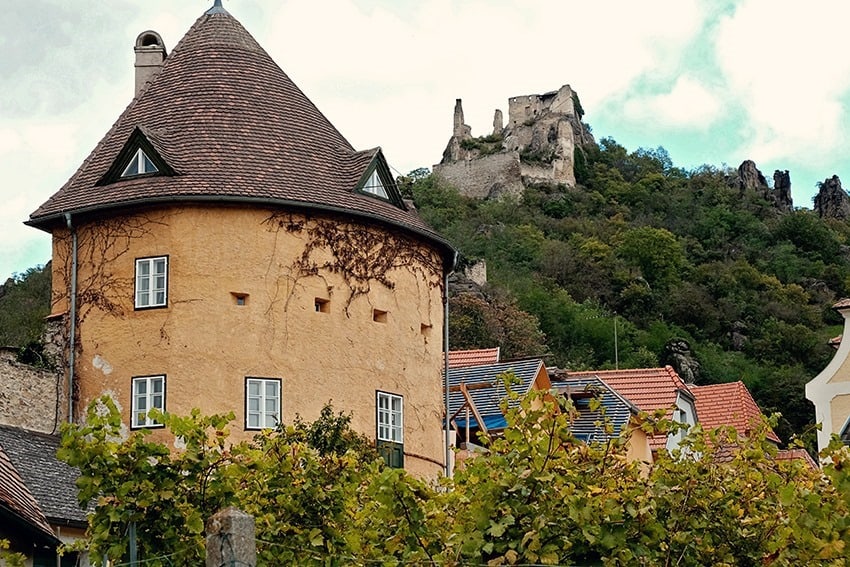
[
  {"x": 374, "y": 186},
  {"x": 139, "y": 165},
  {"x": 138, "y": 158},
  {"x": 377, "y": 181}
]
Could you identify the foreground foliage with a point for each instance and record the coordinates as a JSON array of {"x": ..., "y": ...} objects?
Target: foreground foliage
[{"x": 538, "y": 497}]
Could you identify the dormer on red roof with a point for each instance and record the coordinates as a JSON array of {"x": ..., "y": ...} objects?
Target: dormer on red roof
[
  {"x": 729, "y": 405},
  {"x": 652, "y": 389},
  {"x": 476, "y": 357}
]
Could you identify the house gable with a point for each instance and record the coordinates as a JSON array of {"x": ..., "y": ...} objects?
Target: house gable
[
  {"x": 484, "y": 389},
  {"x": 831, "y": 384}
]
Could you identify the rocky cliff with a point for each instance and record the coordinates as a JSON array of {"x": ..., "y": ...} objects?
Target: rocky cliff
[
  {"x": 832, "y": 201},
  {"x": 749, "y": 178}
]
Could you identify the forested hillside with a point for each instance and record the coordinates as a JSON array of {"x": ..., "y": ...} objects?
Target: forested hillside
[
  {"x": 662, "y": 254},
  {"x": 669, "y": 258}
]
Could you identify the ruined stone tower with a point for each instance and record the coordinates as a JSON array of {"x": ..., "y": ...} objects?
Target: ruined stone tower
[{"x": 536, "y": 146}]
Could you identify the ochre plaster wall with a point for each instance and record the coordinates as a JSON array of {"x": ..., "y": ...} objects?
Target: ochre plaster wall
[
  {"x": 843, "y": 373},
  {"x": 840, "y": 406},
  {"x": 206, "y": 345},
  {"x": 638, "y": 449}
]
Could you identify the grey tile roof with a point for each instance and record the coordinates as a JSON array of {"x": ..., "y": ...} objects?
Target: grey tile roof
[
  {"x": 589, "y": 425},
  {"x": 234, "y": 127},
  {"x": 51, "y": 481},
  {"x": 488, "y": 400},
  {"x": 17, "y": 504}
]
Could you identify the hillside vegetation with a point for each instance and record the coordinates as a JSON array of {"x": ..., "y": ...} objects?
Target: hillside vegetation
[
  {"x": 651, "y": 250},
  {"x": 662, "y": 254}
]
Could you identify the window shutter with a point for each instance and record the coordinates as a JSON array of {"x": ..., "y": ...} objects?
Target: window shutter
[{"x": 392, "y": 453}]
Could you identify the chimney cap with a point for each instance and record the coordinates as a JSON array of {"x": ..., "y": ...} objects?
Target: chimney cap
[{"x": 150, "y": 39}]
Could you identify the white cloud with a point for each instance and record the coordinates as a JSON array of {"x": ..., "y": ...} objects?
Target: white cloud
[
  {"x": 788, "y": 66},
  {"x": 689, "y": 104}
]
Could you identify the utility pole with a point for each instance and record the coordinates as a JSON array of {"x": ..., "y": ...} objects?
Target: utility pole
[{"x": 616, "y": 347}]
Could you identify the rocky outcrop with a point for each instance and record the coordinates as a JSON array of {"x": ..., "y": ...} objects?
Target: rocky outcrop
[
  {"x": 782, "y": 191},
  {"x": 677, "y": 353},
  {"x": 832, "y": 201},
  {"x": 749, "y": 178},
  {"x": 535, "y": 146}
]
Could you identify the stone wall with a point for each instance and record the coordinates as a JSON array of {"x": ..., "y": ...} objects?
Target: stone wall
[
  {"x": 30, "y": 398},
  {"x": 486, "y": 177}
]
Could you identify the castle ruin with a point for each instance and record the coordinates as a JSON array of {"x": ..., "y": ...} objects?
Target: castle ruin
[{"x": 536, "y": 146}]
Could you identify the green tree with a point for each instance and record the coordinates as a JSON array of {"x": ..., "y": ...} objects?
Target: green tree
[
  {"x": 24, "y": 303},
  {"x": 655, "y": 252},
  {"x": 486, "y": 322}
]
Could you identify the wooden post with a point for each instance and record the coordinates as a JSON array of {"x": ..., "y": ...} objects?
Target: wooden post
[{"x": 230, "y": 539}]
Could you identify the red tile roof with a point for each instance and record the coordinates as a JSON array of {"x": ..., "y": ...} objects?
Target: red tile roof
[
  {"x": 842, "y": 304},
  {"x": 797, "y": 454},
  {"x": 650, "y": 389},
  {"x": 728, "y": 405},
  {"x": 235, "y": 128},
  {"x": 477, "y": 357}
]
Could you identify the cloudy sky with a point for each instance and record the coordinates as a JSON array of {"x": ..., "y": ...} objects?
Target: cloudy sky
[{"x": 713, "y": 82}]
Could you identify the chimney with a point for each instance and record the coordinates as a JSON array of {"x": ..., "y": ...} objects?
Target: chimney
[{"x": 150, "y": 53}]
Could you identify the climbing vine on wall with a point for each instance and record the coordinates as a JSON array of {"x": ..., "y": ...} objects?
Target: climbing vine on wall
[
  {"x": 361, "y": 254},
  {"x": 99, "y": 245}
]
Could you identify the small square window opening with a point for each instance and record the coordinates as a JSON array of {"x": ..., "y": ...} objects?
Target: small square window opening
[
  {"x": 322, "y": 305},
  {"x": 379, "y": 316}
]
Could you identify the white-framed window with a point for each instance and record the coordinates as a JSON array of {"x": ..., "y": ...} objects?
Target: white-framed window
[
  {"x": 148, "y": 393},
  {"x": 374, "y": 186},
  {"x": 151, "y": 282},
  {"x": 139, "y": 165},
  {"x": 262, "y": 403},
  {"x": 390, "y": 418}
]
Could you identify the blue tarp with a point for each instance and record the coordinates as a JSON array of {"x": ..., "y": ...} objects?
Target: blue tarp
[{"x": 490, "y": 421}]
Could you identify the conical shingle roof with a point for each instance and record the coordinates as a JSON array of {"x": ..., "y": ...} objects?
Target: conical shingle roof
[{"x": 233, "y": 127}]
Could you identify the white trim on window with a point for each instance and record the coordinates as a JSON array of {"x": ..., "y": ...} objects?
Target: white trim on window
[
  {"x": 151, "y": 282},
  {"x": 262, "y": 403},
  {"x": 148, "y": 393},
  {"x": 374, "y": 186},
  {"x": 390, "y": 418},
  {"x": 139, "y": 165}
]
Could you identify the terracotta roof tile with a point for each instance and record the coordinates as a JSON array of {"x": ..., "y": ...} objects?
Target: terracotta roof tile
[
  {"x": 650, "y": 389},
  {"x": 842, "y": 304},
  {"x": 728, "y": 405},
  {"x": 463, "y": 358},
  {"x": 797, "y": 454},
  {"x": 235, "y": 128}
]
